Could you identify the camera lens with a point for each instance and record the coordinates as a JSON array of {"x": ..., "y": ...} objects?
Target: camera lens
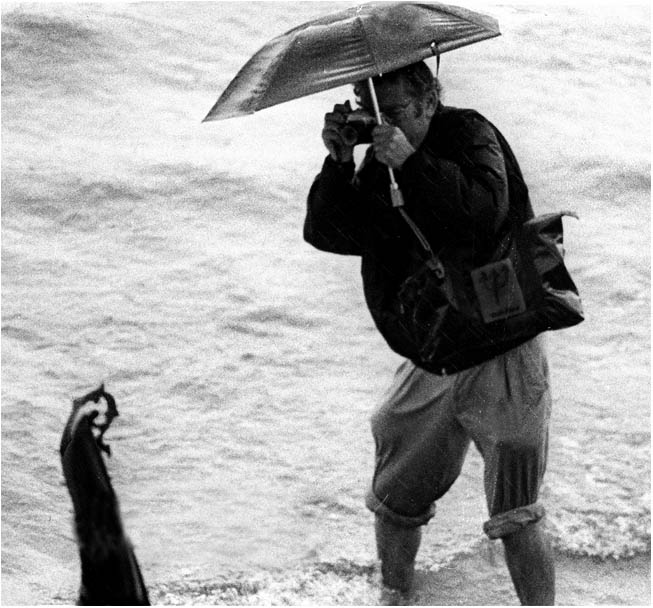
[{"x": 349, "y": 135}]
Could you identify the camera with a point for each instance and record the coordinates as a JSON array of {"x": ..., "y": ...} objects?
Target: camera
[{"x": 359, "y": 127}]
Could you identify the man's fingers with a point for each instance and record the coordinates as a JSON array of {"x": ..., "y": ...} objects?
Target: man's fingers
[
  {"x": 391, "y": 146},
  {"x": 339, "y": 113},
  {"x": 332, "y": 132},
  {"x": 333, "y": 140},
  {"x": 383, "y": 134},
  {"x": 383, "y": 128}
]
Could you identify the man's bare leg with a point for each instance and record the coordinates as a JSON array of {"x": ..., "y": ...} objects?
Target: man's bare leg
[
  {"x": 530, "y": 561},
  {"x": 397, "y": 547}
]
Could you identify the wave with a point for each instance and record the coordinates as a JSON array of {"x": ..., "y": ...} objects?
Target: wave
[
  {"x": 346, "y": 582},
  {"x": 623, "y": 185},
  {"x": 608, "y": 179},
  {"x": 278, "y": 316},
  {"x": 22, "y": 334},
  {"x": 324, "y": 583},
  {"x": 50, "y": 55},
  {"x": 46, "y": 29},
  {"x": 85, "y": 203}
]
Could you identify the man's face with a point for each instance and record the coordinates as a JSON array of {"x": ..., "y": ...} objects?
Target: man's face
[{"x": 402, "y": 110}]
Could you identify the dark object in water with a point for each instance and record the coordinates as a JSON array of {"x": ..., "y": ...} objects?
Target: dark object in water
[{"x": 110, "y": 572}]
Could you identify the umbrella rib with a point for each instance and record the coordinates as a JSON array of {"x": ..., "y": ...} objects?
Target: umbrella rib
[{"x": 274, "y": 68}]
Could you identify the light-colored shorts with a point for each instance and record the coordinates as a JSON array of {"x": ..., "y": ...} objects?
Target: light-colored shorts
[{"x": 424, "y": 426}]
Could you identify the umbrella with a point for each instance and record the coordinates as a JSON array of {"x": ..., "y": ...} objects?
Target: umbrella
[{"x": 348, "y": 46}]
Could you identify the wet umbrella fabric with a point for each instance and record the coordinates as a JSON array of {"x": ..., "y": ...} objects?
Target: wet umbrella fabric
[{"x": 348, "y": 46}]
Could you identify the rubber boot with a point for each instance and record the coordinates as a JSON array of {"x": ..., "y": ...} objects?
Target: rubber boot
[{"x": 397, "y": 547}]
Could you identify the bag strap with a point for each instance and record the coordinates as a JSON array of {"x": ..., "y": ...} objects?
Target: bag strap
[{"x": 433, "y": 261}]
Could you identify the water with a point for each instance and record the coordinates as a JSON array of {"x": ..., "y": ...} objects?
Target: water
[{"x": 164, "y": 257}]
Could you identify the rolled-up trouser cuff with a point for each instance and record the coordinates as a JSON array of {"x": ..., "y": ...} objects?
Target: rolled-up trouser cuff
[
  {"x": 504, "y": 524},
  {"x": 405, "y": 521}
]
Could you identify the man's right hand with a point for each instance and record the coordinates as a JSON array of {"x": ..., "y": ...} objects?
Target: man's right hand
[{"x": 332, "y": 134}]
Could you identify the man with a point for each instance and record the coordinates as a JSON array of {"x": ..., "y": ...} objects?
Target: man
[{"x": 456, "y": 173}]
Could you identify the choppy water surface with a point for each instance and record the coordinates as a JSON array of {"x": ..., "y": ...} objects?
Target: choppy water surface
[{"x": 164, "y": 257}]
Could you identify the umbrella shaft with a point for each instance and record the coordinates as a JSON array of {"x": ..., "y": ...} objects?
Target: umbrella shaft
[
  {"x": 375, "y": 101},
  {"x": 395, "y": 193}
]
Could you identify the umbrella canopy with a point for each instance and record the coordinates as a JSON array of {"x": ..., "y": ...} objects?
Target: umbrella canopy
[{"x": 346, "y": 47}]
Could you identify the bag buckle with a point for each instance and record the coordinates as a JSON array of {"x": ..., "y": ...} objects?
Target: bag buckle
[{"x": 436, "y": 266}]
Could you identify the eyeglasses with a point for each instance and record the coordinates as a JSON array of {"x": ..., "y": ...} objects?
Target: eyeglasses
[{"x": 393, "y": 113}]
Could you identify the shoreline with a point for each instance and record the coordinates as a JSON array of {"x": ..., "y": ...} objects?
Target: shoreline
[{"x": 470, "y": 579}]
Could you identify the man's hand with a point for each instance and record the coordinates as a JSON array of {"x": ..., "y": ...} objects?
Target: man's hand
[
  {"x": 332, "y": 134},
  {"x": 391, "y": 147}
]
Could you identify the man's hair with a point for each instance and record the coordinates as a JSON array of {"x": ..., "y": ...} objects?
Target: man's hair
[{"x": 418, "y": 78}]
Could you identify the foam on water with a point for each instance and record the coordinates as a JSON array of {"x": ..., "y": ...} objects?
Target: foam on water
[{"x": 164, "y": 257}]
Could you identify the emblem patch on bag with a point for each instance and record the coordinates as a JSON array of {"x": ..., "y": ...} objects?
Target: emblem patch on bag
[{"x": 498, "y": 291}]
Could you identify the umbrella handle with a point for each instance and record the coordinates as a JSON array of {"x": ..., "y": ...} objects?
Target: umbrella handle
[{"x": 396, "y": 196}]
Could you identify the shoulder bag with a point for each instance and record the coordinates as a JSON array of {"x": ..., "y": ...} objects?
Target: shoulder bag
[{"x": 457, "y": 318}]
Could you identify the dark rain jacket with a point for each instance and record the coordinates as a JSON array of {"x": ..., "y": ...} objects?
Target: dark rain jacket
[{"x": 459, "y": 187}]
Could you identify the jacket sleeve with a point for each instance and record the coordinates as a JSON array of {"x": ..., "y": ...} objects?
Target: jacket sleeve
[
  {"x": 334, "y": 217},
  {"x": 463, "y": 194}
]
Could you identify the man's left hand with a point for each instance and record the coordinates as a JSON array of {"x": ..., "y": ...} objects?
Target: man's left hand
[{"x": 391, "y": 147}]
